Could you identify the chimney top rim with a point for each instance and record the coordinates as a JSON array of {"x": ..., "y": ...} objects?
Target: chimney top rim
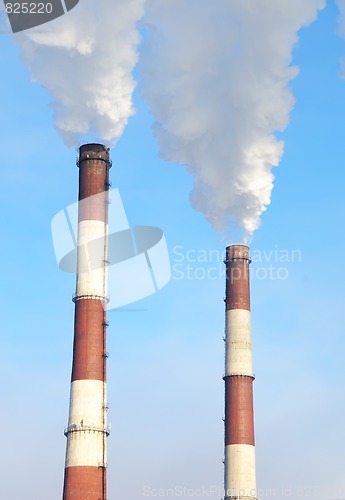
[
  {"x": 237, "y": 246},
  {"x": 92, "y": 145}
]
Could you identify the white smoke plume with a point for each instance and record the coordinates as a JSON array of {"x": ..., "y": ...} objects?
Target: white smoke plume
[
  {"x": 85, "y": 60},
  {"x": 216, "y": 75}
]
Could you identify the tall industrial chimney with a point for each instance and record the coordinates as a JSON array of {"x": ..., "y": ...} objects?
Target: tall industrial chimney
[
  {"x": 87, "y": 431},
  {"x": 239, "y": 470}
]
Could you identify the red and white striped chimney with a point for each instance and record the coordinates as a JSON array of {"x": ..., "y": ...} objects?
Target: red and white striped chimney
[
  {"x": 87, "y": 431},
  {"x": 239, "y": 471}
]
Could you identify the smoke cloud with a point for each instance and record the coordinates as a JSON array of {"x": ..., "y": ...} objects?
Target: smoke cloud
[
  {"x": 85, "y": 60},
  {"x": 216, "y": 75}
]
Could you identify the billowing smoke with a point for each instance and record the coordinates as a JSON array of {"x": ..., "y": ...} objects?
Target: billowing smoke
[
  {"x": 216, "y": 75},
  {"x": 85, "y": 61}
]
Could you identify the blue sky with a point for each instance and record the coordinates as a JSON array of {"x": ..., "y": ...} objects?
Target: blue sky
[{"x": 166, "y": 361}]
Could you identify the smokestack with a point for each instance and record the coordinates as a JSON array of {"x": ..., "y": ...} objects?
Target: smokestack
[
  {"x": 239, "y": 472},
  {"x": 87, "y": 431}
]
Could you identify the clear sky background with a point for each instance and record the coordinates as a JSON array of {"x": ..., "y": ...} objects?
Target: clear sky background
[{"x": 166, "y": 359}]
